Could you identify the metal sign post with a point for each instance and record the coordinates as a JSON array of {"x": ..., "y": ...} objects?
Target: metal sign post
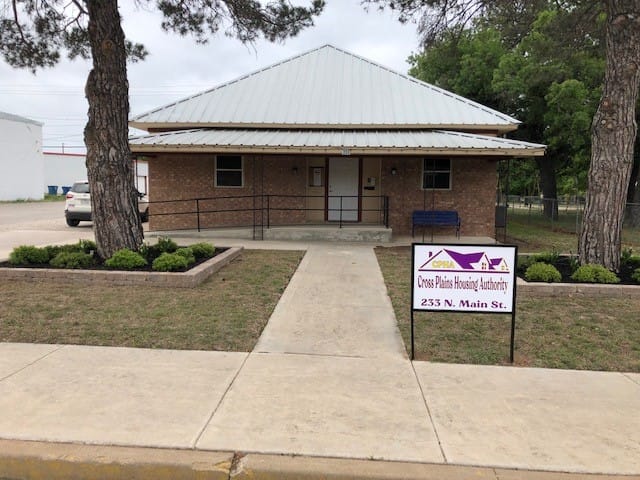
[{"x": 463, "y": 278}]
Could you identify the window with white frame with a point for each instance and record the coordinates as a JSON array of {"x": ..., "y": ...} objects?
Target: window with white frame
[
  {"x": 229, "y": 171},
  {"x": 436, "y": 174}
]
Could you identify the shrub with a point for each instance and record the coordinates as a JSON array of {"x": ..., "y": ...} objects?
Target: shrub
[
  {"x": 574, "y": 263},
  {"x": 522, "y": 263},
  {"x": 202, "y": 250},
  {"x": 594, "y": 274},
  {"x": 629, "y": 263},
  {"x": 169, "y": 262},
  {"x": 71, "y": 260},
  {"x": 626, "y": 254},
  {"x": 83, "y": 246},
  {"x": 187, "y": 253},
  {"x": 87, "y": 246},
  {"x": 636, "y": 275},
  {"x": 28, "y": 255},
  {"x": 546, "y": 257},
  {"x": 542, "y": 272},
  {"x": 125, "y": 259},
  {"x": 54, "y": 250},
  {"x": 145, "y": 251},
  {"x": 166, "y": 245}
]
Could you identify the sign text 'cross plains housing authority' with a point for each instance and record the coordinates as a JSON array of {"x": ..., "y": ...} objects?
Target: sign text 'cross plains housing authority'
[{"x": 463, "y": 278}]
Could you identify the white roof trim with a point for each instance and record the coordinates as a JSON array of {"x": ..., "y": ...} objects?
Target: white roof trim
[
  {"x": 17, "y": 118},
  {"x": 340, "y": 142}
]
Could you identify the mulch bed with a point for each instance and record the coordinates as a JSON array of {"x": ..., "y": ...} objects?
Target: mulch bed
[
  {"x": 563, "y": 264},
  {"x": 100, "y": 266}
]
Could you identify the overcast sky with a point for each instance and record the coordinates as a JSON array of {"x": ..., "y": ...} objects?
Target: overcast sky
[{"x": 177, "y": 67}]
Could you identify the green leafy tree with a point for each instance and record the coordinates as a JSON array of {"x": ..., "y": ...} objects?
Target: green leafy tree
[
  {"x": 524, "y": 74},
  {"x": 614, "y": 124},
  {"x": 535, "y": 79},
  {"x": 463, "y": 62},
  {"x": 570, "y": 108},
  {"x": 35, "y": 33}
]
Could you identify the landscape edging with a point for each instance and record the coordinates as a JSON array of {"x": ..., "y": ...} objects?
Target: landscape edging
[
  {"x": 540, "y": 289},
  {"x": 191, "y": 278}
]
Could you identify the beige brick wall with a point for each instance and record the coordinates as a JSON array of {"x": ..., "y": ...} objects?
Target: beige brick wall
[
  {"x": 183, "y": 177},
  {"x": 472, "y": 194},
  {"x": 286, "y": 180}
]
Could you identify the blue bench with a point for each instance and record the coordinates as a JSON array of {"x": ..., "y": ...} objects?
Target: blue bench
[{"x": 437, "y": 218}]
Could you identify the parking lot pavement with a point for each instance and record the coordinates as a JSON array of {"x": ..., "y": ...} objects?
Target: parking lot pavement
[
  {"x": 37, "y": 223},
  {"x": 32, "y": 216}
]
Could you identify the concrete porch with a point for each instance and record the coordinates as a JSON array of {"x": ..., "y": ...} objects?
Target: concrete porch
[{"x": 320, "y": 233}]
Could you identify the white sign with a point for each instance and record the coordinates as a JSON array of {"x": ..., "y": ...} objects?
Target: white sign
[{"x": 463, "y": 278}]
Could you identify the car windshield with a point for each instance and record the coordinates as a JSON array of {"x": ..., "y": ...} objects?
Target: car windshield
[{"x": 80, "y": 188}]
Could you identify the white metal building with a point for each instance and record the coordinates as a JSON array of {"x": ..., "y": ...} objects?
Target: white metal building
[
  {"x": 62, "y": 169},
  {"x": 21, "y": 159}
]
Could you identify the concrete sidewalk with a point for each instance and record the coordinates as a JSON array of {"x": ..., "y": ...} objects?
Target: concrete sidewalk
[{"x": 329, "y": 378}]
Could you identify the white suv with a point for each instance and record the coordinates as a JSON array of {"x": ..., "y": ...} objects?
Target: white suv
[{"x": 77, "y": 207}]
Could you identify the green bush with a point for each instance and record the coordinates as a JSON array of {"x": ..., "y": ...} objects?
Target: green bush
[
  {"x": 166, "y": 245},
  {"x": 522, "y": 263},
  {"x": 169, "y": 262},
  {"x": 187, "y": 253},
  {"x": 546, "y": 257},
  {"x": 542, "y": 272},
  {"x": 83, "y": 246},
  {"x": 87, "y": 246},
  {"x": 203, "y": 250},
  {"x": 574, "y": 263},
  {"x": 594, "y": 274},
  {"x": 636, "y": 275},
  {"x": 145, "y": 251},
  {"x": 628, "y": 261},
  {"x": 125, "y": 259},
  {"x": 28, "y": 255},
  {"x": 54, "y": 250},
  {"x": 71, "y": 260}
]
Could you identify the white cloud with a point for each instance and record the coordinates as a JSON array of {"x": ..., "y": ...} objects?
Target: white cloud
[{"x": 178, "y": 67}]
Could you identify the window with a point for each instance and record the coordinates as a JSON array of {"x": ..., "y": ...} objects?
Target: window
[
  {"x": 228, "y": 171},
  {"x": 436, "y": 174},
  {"x": 80, "y": 187}
]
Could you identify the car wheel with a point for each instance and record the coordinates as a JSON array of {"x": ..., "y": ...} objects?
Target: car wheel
[{"x": 72, "y": 222}]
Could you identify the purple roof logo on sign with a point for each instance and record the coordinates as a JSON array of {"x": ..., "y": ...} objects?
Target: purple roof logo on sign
[{"x": 447, "y": 260}]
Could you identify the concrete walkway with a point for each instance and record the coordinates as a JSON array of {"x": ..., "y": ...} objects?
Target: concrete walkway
[{"x": 329, "y": 377}]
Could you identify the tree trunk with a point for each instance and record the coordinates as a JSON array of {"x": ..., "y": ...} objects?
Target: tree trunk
[
  {"x": 632, "y": 218},
  {"x": 549, "y": 187},
  {"x": 116, "y": 223},
  {"x": 613, "y": 137}
]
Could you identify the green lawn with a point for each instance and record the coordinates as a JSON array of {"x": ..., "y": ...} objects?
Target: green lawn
[
  {"x": 575, "y": 332},
  {"x": 532, "y": 232},
  {"x": 227, "y": 312}
]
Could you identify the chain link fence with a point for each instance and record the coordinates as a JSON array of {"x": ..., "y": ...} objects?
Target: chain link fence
[{"x": 565, "y": 214}]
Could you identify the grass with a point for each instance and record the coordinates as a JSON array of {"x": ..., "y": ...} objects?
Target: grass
[
  {"x": 228, "y": 312},
  {"x": 532, "y": 232},
  {"x": 575, "y": 332},
  {"x": 47, "y": 198}
]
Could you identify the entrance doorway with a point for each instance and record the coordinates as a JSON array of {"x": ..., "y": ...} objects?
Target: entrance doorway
[{"x": 343, "y": 184}]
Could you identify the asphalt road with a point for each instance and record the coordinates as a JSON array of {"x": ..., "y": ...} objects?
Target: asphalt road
[{"x": 37, "y": 223}]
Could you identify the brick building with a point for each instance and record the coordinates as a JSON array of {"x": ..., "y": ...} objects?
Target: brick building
[{"x": 324, "y": 137}]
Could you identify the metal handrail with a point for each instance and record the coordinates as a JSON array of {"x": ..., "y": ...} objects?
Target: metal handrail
[{"x": 263, "y": 204}]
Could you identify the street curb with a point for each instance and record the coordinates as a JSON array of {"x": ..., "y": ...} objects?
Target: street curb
[{"x": 26, "y": 460}]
